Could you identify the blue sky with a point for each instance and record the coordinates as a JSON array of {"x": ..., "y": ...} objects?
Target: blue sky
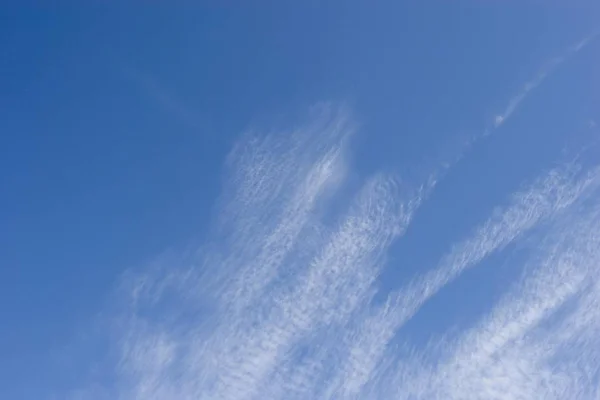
[{"x": 341, "y": 200}]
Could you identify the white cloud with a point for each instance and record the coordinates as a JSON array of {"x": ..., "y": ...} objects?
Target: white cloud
[
  {"x": 498, "y": 120},
  {"x": 540, "y": 77},
  {"x": 280, "y": 304},
  {"x": 369, "y": 340},
  {"x": 271, "y": 229},
  {"x": 524, "y": 348}
]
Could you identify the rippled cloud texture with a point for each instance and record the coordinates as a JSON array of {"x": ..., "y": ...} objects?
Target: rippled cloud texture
[
  {"x": 283, "y": 299},
  {"x": 280, "y": 302}
]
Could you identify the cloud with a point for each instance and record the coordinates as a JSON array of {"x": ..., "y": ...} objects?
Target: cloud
[
  {"x": 279, "y": 303},
  {"x": 274, "y": 276},
  {"x": 539, "y": 78},
  {"x": 514, "y": 103},
  {"x": 540, "y": 341},
  {"x": 368, "y": 341}
]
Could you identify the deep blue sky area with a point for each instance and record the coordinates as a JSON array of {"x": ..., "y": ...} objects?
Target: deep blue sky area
[{"x": 115, "y": 121}]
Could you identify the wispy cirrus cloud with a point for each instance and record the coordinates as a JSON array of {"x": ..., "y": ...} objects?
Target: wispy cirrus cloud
[
  {"x": 276, "y": 275},
  {"x": 288, "y": 312},
  {"x": 366, "y": 341},
  {"x": 279, "y": 302},
  {"x": 540, "y": 340},
  {"x": 539, "y": 78}
]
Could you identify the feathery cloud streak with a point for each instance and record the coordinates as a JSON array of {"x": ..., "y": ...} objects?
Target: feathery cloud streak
[
  {"x": 279, "y": 303},
  {"x": 542, "y": 74}
]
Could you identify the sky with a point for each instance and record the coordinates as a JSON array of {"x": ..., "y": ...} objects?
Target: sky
[{"x": 309, "y": 200}]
